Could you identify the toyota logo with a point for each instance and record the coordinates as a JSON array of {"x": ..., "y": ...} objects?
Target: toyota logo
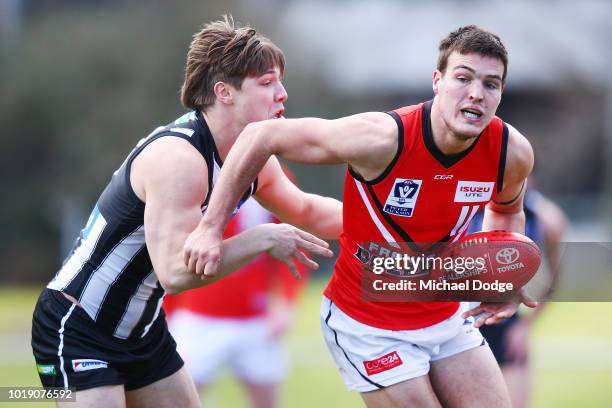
[{"x": 507, "y": 255}]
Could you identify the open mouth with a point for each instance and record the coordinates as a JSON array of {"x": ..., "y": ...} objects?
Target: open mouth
[
  {"x": 279, "y": 114},
  {"x": 471, "y": 114}
]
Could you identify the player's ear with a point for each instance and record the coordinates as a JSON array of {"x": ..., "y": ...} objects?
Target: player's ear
[
  {"x": 437, "y": 76},
  {"x": 223, "y": 92}
]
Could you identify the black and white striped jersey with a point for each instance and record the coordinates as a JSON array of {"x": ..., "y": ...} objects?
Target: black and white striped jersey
[{"x": 109, "y": 269}]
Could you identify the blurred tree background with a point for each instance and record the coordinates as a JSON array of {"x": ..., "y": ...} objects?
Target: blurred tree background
[{"x": 82, "y": 81}]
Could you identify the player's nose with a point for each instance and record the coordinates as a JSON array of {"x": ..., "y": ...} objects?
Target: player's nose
[
  {"x": 476, "y": 91},
  {"x": 281, "y": 93}
]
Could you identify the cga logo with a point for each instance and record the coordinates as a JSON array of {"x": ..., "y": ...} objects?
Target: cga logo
[
  {"x": 86, "y": 364},
  {"x": 384, "y": 363},
  {"x": 507, "y": 256},
  {"x": 403, "y": 196}
]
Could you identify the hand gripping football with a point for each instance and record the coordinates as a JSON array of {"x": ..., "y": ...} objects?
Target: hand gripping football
[{"x": 491, "y": 265}]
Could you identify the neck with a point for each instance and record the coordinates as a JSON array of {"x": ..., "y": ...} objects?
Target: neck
[
  {"x": 445, "y": 139},
  {"x": 223, "y": 127}
]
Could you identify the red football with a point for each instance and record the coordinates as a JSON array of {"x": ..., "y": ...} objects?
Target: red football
[{"x": 490, "y": 265}]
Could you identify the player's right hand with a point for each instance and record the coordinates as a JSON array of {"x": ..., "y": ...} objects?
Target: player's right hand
[{"x": 286, "y": 242}]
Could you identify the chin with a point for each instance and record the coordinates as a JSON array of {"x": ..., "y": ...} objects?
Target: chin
[{"x": 467, "y": 132}]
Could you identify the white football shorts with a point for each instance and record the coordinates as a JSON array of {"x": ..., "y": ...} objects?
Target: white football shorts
[
  {"x": 210, "y": 344},
  {"x": 370, "y": 358}
]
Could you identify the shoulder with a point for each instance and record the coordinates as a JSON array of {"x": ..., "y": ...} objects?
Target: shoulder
[
  {"x": 169, "y": 163},
  {"x": 519, "y": 156},
  {"x": 171, "y": 153},
  {"x": 379, "y": 122},
  {"x": 376, "y": 130}
]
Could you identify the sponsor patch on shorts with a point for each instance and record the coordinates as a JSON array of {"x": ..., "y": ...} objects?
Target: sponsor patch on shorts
[
  {"x": 384, "y": 363},
  {"x": 46, "y": 369},
  {"x": 86, "y": 364}
]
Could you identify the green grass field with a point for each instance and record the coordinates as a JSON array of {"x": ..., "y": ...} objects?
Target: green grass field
[{"x": 572, "y": 357}]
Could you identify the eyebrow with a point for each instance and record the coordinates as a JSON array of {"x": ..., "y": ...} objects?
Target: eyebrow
[{"x": 474, "y": 71}]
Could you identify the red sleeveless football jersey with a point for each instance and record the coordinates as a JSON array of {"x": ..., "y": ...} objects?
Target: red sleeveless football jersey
[{"x": 423, "y": 196}]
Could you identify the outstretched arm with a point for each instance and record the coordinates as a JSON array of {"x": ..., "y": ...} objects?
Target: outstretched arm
[
  {"x": 172, "y": 187},
  {"x": 367, "y": 142}
]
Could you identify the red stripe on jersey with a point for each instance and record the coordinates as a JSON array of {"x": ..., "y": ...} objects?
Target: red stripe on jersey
[{"x": 423, "y": 197}]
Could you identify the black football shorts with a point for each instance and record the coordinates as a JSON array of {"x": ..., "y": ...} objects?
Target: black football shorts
[{"x": 71, "y": 351}]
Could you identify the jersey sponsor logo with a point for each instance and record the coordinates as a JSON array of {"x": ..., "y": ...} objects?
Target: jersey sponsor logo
[
  {"x": 86, "y": 364},
  {"x": 403, "y": 197},
  {"x": 384, "y": 363},
  {"x": 443, "y": 177},
  {"x": 473, "y": 191}
]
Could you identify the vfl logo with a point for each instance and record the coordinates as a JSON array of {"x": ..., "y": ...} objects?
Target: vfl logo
[
  {"x": 384, "y": 363},
  {"x": 86, "y": 364},
  {"x": 403, "y": 196},
  {"x": 473, "y": 191},
  {"x": 507, "y": 256}
]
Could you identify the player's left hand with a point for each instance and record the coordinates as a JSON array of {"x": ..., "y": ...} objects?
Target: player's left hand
[{"x": 494, "y": 312}]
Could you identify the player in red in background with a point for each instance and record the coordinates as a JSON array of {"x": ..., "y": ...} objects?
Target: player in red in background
[
  {"x": 417, "y": 174},
  {"x": 241, "y": 319},
  {"x": 546, "y": 224}
]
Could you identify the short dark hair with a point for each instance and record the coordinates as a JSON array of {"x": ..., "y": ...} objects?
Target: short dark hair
[
  {"x": 223, "y": 52},
  {"x": 469, "y": 39}
]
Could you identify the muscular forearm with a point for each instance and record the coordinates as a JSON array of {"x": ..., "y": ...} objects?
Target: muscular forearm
[
  {"x": 506, "y": 221},
  {"x": 322, "y": 217},
  {"x": 237, "y": 251},
  {"x": 245, "y": 160}
]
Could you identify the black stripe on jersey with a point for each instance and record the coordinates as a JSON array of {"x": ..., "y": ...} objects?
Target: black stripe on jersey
[
  {"x": 446, "y": 160},
  {"x": 403, "y": 234},
  {"x": 108, "y": 240},
  {"x": 400, "y": 147},
  {"x": 210, "y": 165},
  {"x": 149, "y": 312},
  {"x": 118, "y": 295},
  {"x": 502, "y": 159},
  {"x": 440, "y": 244},
  {"x": 344, "y": 352}
]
